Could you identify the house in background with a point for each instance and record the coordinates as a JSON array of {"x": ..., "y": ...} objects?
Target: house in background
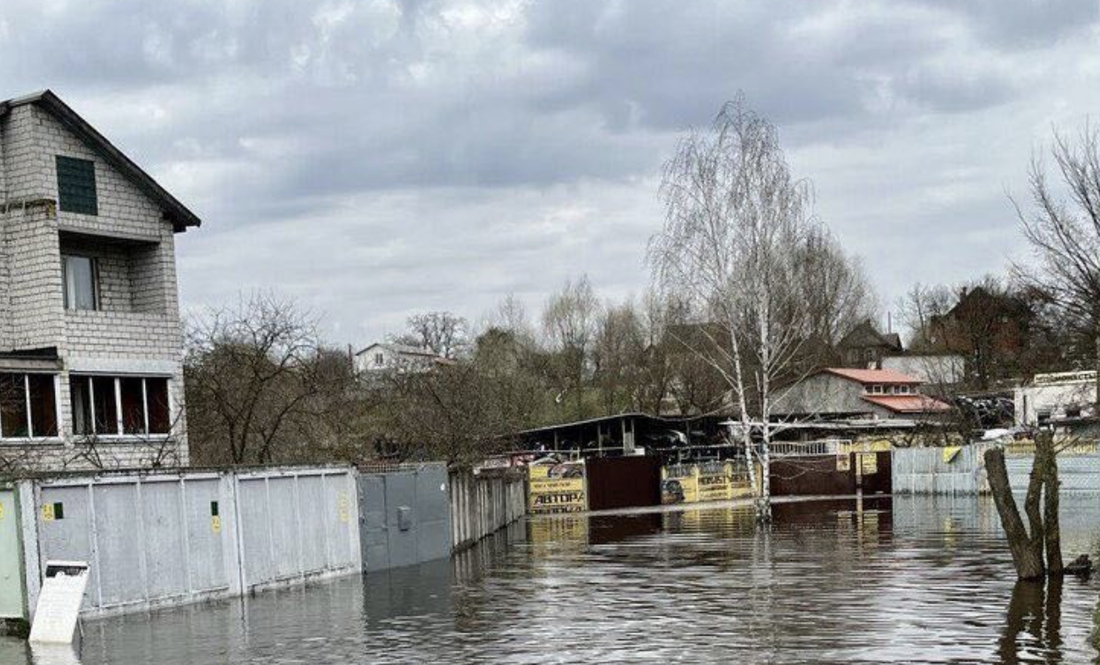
[
  {"x": 383, "y": 357},
  {"x": 989, "y": 329},
  {"x": 864, "y": 346},
  {"x": 90, "y": 340},
  {"x": 839, "y": 392}
]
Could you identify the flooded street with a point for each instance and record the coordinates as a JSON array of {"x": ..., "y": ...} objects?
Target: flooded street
[{"x": 912, "y": 579}]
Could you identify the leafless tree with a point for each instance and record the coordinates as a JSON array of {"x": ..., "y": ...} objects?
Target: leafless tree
[
  {"x": 249, "y": 374},
  {"x": 1064, "y": 232},
  {"x": 919, "y": 307},
  {"x": 835, "y": 287},
  {"x": 619, "y": 349},
  {"x": 569, "y": 322},
  {"x": 442, "y": 333},
  {"x": 737, "y": 223}
]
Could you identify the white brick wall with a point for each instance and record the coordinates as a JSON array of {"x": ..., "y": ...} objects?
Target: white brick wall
[{"x": 138, "y": 324}]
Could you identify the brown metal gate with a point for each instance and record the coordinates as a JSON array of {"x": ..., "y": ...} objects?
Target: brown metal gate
[
  {"x": 623, "y": 482},
  {"x": 829, "y": 475}
]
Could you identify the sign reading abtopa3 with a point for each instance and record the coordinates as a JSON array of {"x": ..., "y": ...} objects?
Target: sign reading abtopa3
[{"x": 556, "y": 488}]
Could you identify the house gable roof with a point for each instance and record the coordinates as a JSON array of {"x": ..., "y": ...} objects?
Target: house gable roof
[
  {"x": 864, "y": 334},
  {"x": 174, "y": 211},
  {"x": 908, "y": 403},
  {"x": 866, "y": 376}
]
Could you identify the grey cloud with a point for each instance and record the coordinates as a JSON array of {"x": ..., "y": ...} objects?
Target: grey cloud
[{"x": 376, "y": 158}]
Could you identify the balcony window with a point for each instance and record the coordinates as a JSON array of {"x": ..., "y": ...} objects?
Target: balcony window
[
  {"x": 110, "y": 405},
  {"x": 28, "y": 406},
  {"x": 80, "y": 277}
]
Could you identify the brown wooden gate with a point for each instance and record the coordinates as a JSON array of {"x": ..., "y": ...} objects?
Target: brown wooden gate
[{"x": 623, "y": 482}]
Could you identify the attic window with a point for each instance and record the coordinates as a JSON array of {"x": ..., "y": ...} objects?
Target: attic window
[
  {"x": 876, "y": 389},
  {"x": 76, "y": 186}
]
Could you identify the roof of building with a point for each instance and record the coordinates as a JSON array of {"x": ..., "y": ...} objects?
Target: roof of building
[
  {"x": 872, "y": 375},
  {"x": 908, "y": 403},
  {"x": 406, "y": 350},
  {"x": 174, "y": 211},
  {"x": 864, "y": 334}
]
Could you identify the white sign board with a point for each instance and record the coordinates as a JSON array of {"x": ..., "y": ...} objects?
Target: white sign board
[{"x": 59, "y": 602}]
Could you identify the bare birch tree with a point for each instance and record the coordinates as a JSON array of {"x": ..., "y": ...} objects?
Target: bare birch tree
[{"x": 735, "y": 222}]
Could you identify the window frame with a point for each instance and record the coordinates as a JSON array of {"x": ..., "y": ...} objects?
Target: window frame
[
  {"x": 28, "y": 413},
  {"x": 68, "y": 298},
  {"x": 120, "y": 433}
]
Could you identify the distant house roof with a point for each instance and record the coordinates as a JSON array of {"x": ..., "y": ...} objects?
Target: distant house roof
[
  {"x": 908, "y": 403},
  {"x": 865, "y": 335},
  {"x": 873, "y": 375},
  {"x": 406, "y": 350},
  {"x": 174, "y": 211}
]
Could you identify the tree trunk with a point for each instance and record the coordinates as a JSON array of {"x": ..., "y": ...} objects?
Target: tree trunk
[
  {"x": 1047, "y": 464},
  {"x": 1027, "y": 552}
]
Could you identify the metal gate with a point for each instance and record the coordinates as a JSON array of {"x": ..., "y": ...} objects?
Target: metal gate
[
  {"x": 623, "y": 482},
  {"x": 11, "y": 560},
  {"x": 404, "y": 516}
]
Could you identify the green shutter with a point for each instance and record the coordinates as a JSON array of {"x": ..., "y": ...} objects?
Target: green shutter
[{"x": 76, "y": 185}]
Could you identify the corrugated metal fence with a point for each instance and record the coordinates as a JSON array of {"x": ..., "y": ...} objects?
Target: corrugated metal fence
[
  {"x": 170, "y": 538},
  {"x": 934, "y": 471},
  {"x": 483, "y": 504},
  {"x": 11, "y": 575}
]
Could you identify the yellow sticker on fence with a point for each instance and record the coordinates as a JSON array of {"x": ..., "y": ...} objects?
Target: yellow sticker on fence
[
  {"x": 342, "y": 506},
  {"x": 216, "y": 524},
  {"x": 950, "y": 453},
  {"x": 47, "y": 512},
  {"x": 1, "y": 511},
  {"x": 843, "y": 462},
  {"x": 868, "y": 464}
]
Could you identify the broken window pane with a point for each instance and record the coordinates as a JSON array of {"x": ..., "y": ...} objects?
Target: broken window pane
[
  {"x": 156, "y": 391},
  {"x": 43, "y": 405},
  {"x": 13, "y": 406}
]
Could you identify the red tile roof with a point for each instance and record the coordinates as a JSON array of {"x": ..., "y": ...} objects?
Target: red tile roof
[
  {"x": 873, "y": 375},
  {"x": 908, "y": 403}
]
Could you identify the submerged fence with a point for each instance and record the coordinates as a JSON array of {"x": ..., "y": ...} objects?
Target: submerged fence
[
  {"x": 483, "y": 504},
  {"x": 169, "y": 538},
  {"x": 961, "y": 470}
]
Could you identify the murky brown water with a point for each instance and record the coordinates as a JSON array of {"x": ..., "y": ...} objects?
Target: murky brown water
[{"x": 913, "y": 580}]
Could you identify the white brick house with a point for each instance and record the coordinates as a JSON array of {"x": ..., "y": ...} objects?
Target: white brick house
[{"x": 90, "y": 339}]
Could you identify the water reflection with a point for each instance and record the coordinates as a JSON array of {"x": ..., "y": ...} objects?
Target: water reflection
[
  {"x": 913, "y": 579},
  {"x": 1032, "y": 631}
]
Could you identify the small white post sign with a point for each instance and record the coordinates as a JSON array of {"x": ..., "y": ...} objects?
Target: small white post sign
[{"x": 59, "y": 602}]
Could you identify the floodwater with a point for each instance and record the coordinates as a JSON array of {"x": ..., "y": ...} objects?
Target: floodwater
[{"x": 909, "y": 579}]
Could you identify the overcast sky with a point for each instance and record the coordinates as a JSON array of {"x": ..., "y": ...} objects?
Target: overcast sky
[{"x": 375, "y": 159}]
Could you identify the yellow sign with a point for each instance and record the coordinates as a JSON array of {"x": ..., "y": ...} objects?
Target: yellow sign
[
  {"x": 868, "y": 464},
  {"x": 216, "y": 524},
  {"x": 710, "y": 481},
  {"x": 556, "y": 488},
  {"x": 950, "y": 453},
  {"x": 47, "y": 512},
  {"x": 342, "y": 506},
  {"x": 1, "y": 511}
]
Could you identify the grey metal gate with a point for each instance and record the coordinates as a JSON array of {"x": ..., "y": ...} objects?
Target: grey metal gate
[{"x": 404, "y": 516}]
